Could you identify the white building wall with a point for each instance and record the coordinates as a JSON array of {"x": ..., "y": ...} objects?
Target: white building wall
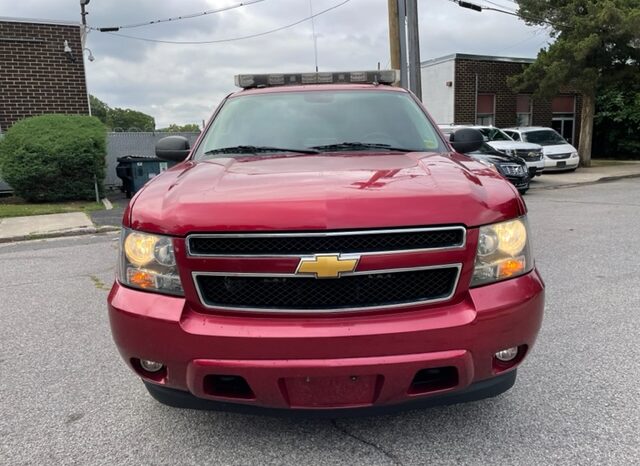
[{"x": 436, "y": 95}]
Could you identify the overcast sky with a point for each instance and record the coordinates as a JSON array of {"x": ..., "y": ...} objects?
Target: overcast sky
[{"x": 183, "y": 83}]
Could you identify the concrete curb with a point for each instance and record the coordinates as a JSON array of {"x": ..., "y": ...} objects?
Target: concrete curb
[
  {"x": 63, "y": 233},
  {"x": 605, "y": 179}
]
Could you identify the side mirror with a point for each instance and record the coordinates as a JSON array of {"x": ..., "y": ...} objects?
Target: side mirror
[
  {"x": 466, "y": 140},
  {"x": 173, "y": 148}
]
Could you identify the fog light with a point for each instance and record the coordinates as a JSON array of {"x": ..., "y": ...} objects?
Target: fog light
[
  {"x": 507, "y": 355},
  {"x": 151, "y": 366}
]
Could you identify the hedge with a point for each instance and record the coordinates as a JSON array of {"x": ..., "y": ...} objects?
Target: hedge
[{"x": 54, "y": 158}]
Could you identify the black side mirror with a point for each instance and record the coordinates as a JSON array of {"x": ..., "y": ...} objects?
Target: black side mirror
[
  {"x": 173, "y": 148},
  {"x": 466, "y": 140}
]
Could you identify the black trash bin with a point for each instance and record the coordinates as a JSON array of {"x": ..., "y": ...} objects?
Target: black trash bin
[{"x": 136, "y": 170}]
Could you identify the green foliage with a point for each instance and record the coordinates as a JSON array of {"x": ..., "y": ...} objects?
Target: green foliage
[
  {"x": 617, "y": 121},
  {"x": 188, "y": 128},
  {"x": 99, "y": 109},
  {"x": 54, "y": 157},
  {"x": 125, "y": 119},
  {"x": 121, "y": 119},
  {"x": 594, "y": 40}
]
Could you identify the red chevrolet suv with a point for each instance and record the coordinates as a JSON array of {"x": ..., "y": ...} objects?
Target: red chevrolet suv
[{"x": 323, "y": 248}]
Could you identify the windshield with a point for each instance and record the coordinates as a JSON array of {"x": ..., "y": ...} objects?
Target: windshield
[
  {"x": 319, "y": 121},
  {"x": 544, "y": 137},
  {"x": 494, "y": 134}
]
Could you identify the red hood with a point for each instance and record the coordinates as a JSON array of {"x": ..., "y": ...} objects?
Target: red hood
[{"x": 332, "y": 192}]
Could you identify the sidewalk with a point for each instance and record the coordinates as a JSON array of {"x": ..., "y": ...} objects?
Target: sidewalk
[
  {"x": 77, "y": 223},
  {"x": 39, "y": 226},
  {"x": 595, "y": 174}
]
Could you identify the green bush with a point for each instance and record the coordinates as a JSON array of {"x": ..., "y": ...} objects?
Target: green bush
[{"x": 53, "y": 158}]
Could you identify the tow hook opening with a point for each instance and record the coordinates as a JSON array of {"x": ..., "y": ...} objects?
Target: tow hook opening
[
  {"x": 228, "y": 386},
  {"x": 434, "y": 379}
]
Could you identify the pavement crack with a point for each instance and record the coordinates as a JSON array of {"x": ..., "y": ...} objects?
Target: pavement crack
[
  {"x": 99, "y": 284},
  {"x": 364, "y": 441}
]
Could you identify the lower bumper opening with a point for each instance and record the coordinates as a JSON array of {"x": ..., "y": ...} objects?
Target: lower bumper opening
[
  {"x": 228, "y": 386},
  {"x": 434, "y": 379}
]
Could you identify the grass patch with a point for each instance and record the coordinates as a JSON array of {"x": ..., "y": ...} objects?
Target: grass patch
[{"x": 15, "y": 207}]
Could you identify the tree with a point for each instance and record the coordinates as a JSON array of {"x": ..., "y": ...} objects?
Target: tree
[
  {"x": 188, "y": 128},
  {"x": 617, "y": 120},
  {"x": 99, "y": 109},
  {"x": 127, "y": 119},
  {"x": 123, "y": 119},
  {"x": 595, "y": 41}
]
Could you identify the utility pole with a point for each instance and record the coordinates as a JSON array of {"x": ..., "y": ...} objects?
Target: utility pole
[
  {"x": 405, "y": 51},
  {"x": 315, "y": 38},
  {"x": 394, "y": 36},
  {"x": 415, "y": 75},
  {"x": 83, "y": 14},
  {"x": 83, "y": 40}
]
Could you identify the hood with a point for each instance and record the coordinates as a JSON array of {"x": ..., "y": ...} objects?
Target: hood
[
  {"x": 514, "y": 145},
  {"x": 558, "y": 149},
  {"x": 322, "y": 192},
  {"x": 497, "y": 158}
]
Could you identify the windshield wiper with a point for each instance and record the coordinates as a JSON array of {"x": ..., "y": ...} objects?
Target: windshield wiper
[
  {"x": 257, "y": 150},
  {"x": 362, "y": 145}
]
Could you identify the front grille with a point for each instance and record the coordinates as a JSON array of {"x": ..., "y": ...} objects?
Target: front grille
[
  {"x": 298, "y": 244},
  {"x": 311, "y": 294},
  {"x": 559, "y": 156},
  {"x": 512, "y": 170},
  {"x": 529, "y": 155}
]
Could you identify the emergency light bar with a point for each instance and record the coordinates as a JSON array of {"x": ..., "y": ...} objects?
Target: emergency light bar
[{"x": 247, "y": 81}]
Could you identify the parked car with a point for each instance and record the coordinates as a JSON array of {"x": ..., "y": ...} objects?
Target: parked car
[
  {"x": 324, "y": 248},
  {"x": 512, "y": 167},
  {"x": 559, "y": 155},
  {"x": 500, "y": 141}
]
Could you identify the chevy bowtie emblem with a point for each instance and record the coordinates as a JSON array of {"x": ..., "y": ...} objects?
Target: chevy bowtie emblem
[{"x": 327, "y": 265}]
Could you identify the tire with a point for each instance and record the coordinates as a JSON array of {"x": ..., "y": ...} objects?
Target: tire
[{"x": 523, "y": 191}]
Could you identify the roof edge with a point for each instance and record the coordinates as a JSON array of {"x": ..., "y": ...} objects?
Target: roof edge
[
  {"x": 6, "y": 19},
  {"x": 465, "y": 56}
]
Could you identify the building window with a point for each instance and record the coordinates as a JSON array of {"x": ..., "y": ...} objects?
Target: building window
[
  {"x": 486, "y": 109},
  {"x": 563, "y": 118},
  {"x": 523, "y": 110}
]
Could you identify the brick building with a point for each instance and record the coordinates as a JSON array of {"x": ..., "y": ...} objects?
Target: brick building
[
  {"x": 472, "y": 89},
  {"x": 36, "y": 75}
]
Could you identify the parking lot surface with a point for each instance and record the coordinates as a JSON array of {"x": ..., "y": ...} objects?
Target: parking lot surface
[{"x": 67, "y": 398}]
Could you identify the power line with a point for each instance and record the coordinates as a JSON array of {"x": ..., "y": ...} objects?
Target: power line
[
  {"x": 176, "y": 18},
  {"x": 218, "y": 41},
  {"x": 476, "y": 7}
]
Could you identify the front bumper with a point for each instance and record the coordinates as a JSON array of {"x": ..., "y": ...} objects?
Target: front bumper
[
  {"x": 536, "y": 166},
  {"x": 332, "y": 362},
  {"x": 551, "y": 165}
]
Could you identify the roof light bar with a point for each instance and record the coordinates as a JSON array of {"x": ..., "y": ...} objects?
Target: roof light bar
[{"x": 247, "y": 81}]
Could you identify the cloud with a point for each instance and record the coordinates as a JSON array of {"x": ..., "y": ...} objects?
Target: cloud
[{"x": 184, "y": 83}]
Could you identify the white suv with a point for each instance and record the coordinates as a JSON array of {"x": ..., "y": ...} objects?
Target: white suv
[
  {"x": 558, "y": 153},
  {"x": 500, "y": 141}
]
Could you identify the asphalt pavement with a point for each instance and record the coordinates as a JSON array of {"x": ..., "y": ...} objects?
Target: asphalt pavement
[{"x": 67, "y": 398}]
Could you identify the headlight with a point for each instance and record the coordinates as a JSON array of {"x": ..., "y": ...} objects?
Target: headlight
[
  {"x": 503, "y": 252},
  {"x": 490, "y": 165},
  {"x": 574, "y": 154},
  {"x": 148, "y": 262}
]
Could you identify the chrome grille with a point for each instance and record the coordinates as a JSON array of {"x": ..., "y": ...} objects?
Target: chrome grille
[
  {"x": 559, "y": 156},
  {"x": 529, "y": 155},
  {"x": 357, "y": 291},
  {"x": 307, "y": 243}
]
